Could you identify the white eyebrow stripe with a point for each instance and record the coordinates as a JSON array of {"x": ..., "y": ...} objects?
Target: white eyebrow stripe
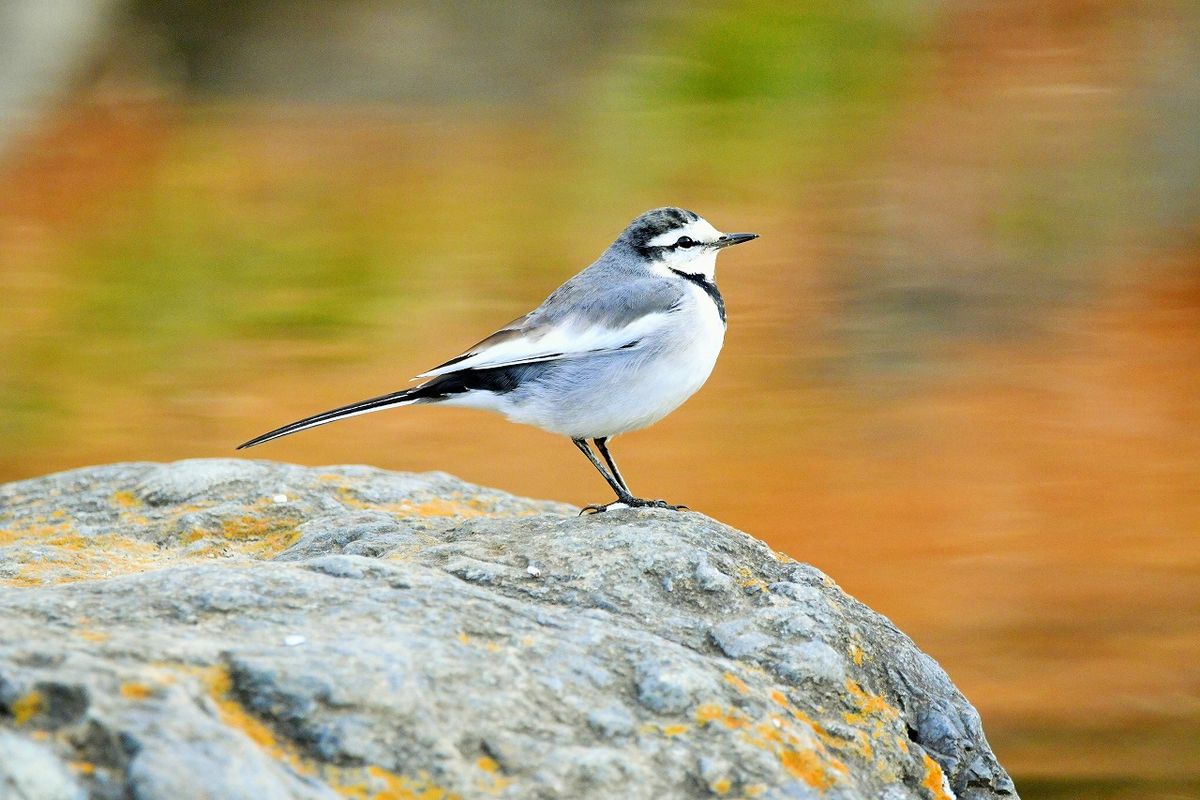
[{"x": 700, "y": 230}]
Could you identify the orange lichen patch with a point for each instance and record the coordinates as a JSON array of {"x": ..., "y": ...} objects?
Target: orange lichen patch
[
  {"x": 935, "y": 780},
  {"x": 27, "y": 707},
  {"x": 258, "y": 536},
  {"x": 747, "y": 579},
  {"x": 220, "y": 687},
  {"x": 737, "y": 683},
  {"x": 871, "y": 708},
  {"x": 99, "y": 637},
  {"x": 754, "y": 789},
  {"x": 493, "y": 780},
  {"x": 248, "y": 527},
  {"x": 34, "y": 531},
  {"x": 82, "y": 767},
  {"x": 376, "y": 783},
  {"x": 856, "y": 654},
  {"x": 437, "y": 507},
  {"x": 136, "y": 691},
  {"x": 370, "y": 782},
  {"x": 79, "y": 558},
  {"x": 721, "y": 786},
  {"x": 125, "y": 499},
  {"x": 440, "y": 508},
  {"x": 808, "y": 767},
  {"x": 675, "y": 730},
  {"x": 803, "y": 747}
]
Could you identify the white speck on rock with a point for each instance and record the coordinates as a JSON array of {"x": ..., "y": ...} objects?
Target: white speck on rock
[
  {"x": 534, "y": 570},
  {"x": 279, "y": 498},
  {"x": 294, "y": 640}
]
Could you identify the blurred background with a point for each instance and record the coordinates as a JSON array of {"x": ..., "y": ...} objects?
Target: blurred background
[{"x": 963, "y": 363}]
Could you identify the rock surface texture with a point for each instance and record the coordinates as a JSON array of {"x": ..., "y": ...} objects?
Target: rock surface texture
[{"x": 234, "y": 629}]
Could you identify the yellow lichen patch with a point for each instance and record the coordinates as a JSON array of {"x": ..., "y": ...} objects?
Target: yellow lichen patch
[
  {"x": 935, "y": 780},
  {"x": 125, "y": 499},
  {"x": 83, "y": 767},
  {"x": 674, "y": 730},
  {"x": 99, "y": 637},
  {"x": 136, "y": 691},
  {"x": 737, "y": 683},
  {"x": 721, "y": 786},
  {"x": 754, "y": 789},
  {"x": 27, "y": 707}
]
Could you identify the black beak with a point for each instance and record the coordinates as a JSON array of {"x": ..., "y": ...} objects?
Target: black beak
[{"x": 730, "y": 239}]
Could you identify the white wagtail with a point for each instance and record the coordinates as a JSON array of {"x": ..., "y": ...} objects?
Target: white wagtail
[{"x": 614, "y": 349}]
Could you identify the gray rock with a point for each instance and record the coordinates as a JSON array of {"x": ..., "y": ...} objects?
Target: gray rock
[
  {"x": 31, "y": 771},
  {"x": 238, "y": 629}
]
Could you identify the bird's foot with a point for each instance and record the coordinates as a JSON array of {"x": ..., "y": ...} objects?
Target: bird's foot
[{"x": 630, "y": 502}]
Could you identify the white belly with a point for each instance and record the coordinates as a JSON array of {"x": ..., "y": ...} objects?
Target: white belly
[{"x": 631, "y": 390}]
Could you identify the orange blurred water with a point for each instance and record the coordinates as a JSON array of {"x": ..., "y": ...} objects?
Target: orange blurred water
[{"x": 960, "y": 374}]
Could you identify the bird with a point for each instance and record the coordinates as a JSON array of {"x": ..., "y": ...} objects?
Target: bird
[{"x": 615, "y": 349}]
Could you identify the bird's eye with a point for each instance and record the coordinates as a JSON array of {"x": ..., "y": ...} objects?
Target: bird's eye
[{"x": 684, "y": 241}]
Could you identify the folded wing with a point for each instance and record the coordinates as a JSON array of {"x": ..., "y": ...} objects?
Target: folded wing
[{"x": 541, "y": 336}]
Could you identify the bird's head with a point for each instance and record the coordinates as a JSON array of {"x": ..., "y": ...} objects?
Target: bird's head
[{"x": 679, "y": 240}]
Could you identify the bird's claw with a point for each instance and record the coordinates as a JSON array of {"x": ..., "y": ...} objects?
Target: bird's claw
[{"x": 632, "y": 502}]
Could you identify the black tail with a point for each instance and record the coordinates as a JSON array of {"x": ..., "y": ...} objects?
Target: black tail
[
  {"x": 361, "y": 407},
  {"x": 495, "y": 379}
]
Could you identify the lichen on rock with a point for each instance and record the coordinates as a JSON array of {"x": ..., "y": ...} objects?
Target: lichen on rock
[{"x": 242, "y": 629}]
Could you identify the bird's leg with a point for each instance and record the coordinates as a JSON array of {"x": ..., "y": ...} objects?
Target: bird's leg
[
  {"x": 623, "y": 494},
  {"x": 602, "y": 446},
  {"x": 617, "y": 481}
]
